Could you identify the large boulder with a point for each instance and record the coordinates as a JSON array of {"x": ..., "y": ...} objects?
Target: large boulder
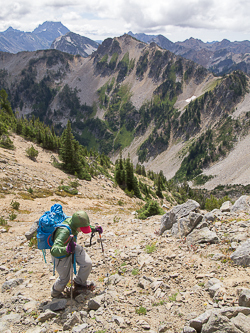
[
  {"x": 219, "y": 320},
  {"x": 185, "y": 209},
  {"x": 204, "y": 235},
  {"x": 218, "y": 323},
  {"x": 186, "y": 224},
  {"x": 242, "y": 254},
  {"x": 167, "y": 221},
  {"x": 178, "y": 212},
  {"x": 241, "y": 205},
  {"x": 242, "y": 322}
]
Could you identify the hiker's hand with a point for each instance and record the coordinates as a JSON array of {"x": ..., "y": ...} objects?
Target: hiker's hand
[
  {"x": 99, "y": 229},
  {"x": 71, "y": 247}
]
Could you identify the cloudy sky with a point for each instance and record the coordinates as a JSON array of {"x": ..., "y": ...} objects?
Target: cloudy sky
[{"x": 178, "y": 20}]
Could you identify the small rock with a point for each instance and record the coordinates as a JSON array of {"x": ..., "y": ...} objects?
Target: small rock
[
  {"x": 188, "y": 329},
  {"x": 30, "y": 306},
  {"x": 244, "y": 298},
  {"x": 145, "y": 325},
  {"x": 119, "y": 321},
  {"x": 11, "y": 284},
  {"x": 226, "y": 206},
  {"x": 209, "y": 217},
  {"x": 197, "y": 322},
  {"x": 80, "y": 328},
  {"x": 29, "y": 234},
  {"x": 56, "y": 304},
  {"x": 4, "y": 268},
  {"x": 164, "y": 327},
  {"x": 74, "y": 319},
  {"x": 95, "y": 303},
  {"x": 47, "y": 315}
]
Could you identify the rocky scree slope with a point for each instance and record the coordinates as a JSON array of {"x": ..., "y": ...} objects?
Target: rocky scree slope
[{"x": 158, "y": 283}]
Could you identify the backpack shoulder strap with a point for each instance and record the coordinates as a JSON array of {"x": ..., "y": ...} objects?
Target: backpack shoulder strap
[{"x": 61, "y": 226}]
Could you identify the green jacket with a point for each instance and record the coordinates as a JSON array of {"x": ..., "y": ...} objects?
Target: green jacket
[{"x": 62, "y": 238}]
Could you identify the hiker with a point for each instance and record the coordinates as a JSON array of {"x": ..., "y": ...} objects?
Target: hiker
[{"x": 64, "y": 246}]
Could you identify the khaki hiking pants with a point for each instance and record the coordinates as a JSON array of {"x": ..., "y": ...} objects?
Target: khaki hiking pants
[{"x": 63, "y": 267}]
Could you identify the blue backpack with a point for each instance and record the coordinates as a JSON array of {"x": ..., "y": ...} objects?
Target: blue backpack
[{"x": 47, "y": 225}]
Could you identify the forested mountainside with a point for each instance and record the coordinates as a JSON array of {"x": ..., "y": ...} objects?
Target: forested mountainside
[{"x": 134, "y": 97}]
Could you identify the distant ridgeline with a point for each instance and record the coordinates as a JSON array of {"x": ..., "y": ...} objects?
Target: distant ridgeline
[{"x": 140, "y": 87}]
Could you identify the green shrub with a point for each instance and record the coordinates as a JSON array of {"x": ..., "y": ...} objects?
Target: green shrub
[
  {"x": 150, "y": 248},
  {"x": 3, "y": 222},
  {"x": 12, "y": 216},
  {"x": 68, "y": 189},
  {"x": 213, "y": 203},
  {"x": 32, "y": 153},
  {"x": 30, "y": 190},
  {"x": 6, "y": 142},
  {"x": 15, "y": 205},
  {"x": 173, "y": 297},
  {"x": 149, "y": 209},
  {"x": 33, "y": 242},
  {"x": 135, "y": 271},
  {"x": 141, "y": 310}
]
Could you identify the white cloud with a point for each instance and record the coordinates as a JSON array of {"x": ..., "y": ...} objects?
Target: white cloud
[{"x": 178, "y": 20}]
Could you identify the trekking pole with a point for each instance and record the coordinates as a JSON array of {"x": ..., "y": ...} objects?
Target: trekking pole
[
  {"x": 71, "y": 276},
  {"x": 104, "y": 259}
]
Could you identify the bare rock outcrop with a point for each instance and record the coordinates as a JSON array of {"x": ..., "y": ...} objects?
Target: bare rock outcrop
[
  {"x": 180, "y": 219},
  {"x": 241, "y": 205},
  {"x": 242, "y": 254}
]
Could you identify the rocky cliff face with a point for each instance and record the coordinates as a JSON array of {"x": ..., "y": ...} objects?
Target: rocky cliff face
[{"x": 75, "y": 44}]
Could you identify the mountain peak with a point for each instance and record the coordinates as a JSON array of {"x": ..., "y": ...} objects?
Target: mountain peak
[
  {"x": 10, "y": 29},
  {"x": 51, "y": 30}
]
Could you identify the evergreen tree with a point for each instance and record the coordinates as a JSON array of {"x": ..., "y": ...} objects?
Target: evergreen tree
[
  {"x": 136, "y": 187},
  {"x": 143, "y": 171},
  {"x": 69, "y": 151},
  {"x": 158, "y": 191},
  {"x": 129, "y": 174}
]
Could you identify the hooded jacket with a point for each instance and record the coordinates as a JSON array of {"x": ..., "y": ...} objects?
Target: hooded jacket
[{"x": 62, "y": 235}]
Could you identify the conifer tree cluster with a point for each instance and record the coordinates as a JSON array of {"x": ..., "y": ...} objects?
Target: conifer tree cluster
[
  {"x": 125, "y": 178},
  {"x": 72, "y": 154},
  {"x": 35, "y": 130},
  {"x": 7, "y": 120}
]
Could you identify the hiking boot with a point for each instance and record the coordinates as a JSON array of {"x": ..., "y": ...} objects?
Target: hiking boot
[
  {"x": 82, "y": 288},
  {"x": 55, "y": 293}
]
